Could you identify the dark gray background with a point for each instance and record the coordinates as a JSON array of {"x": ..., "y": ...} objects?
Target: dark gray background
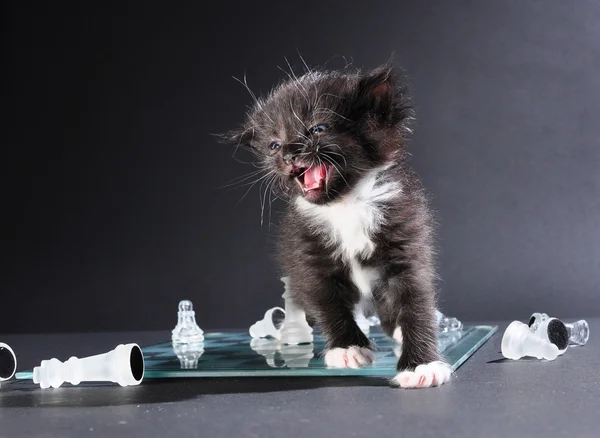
[{"x": 111, "y": 198}]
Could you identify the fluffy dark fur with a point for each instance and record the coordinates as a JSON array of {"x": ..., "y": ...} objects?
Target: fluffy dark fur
[{"x": 351, "y": 125}]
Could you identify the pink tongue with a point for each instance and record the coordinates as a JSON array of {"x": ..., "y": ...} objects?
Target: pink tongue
[{"x": 313, "y": 176}]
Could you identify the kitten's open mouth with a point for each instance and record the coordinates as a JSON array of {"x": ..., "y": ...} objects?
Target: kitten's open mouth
[{"x": 311, "y": 179}]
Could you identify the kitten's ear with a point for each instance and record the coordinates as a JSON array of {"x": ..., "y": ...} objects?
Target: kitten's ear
[
  {"x": 239, "y": 137},
  {"x": 380, "y": 97}
]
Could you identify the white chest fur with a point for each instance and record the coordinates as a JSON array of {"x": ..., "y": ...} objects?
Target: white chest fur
[{"x": 350, "y": 224}]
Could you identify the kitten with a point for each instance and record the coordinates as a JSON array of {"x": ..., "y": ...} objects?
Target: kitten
[{"x": 358, "y": 234}]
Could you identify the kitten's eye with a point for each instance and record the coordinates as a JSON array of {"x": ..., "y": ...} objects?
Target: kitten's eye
[
  {"x": 317, "y": 129},
  {"x": 275, "y": 145}
]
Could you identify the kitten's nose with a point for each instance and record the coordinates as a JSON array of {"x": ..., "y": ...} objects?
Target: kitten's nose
[{"x": 290, "y": 150}]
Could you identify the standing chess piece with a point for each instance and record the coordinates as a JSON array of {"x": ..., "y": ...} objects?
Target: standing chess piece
[
  {"x": 186, "y": 331},
  {"x": 188, "y": 354},
  {"x": 295, "y": 329}
]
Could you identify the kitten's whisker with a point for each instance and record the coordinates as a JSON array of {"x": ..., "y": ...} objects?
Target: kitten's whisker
[
  {"x": 335, "y": 153},
  {"x": 296, "y": 115},
  {"x": 254, "y": 183},
  {"x": 263, "y": 198},
  {"x": 305, "y": 137},
  {"x": 318, "y": 110},
  {"x": 242, "y": 178},
  {"x": 336, "y": 168}
]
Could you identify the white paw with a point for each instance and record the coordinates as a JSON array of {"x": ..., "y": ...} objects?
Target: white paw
[
  {"x": 424, "y": 376},
  {"x": 351, "y": 357}
]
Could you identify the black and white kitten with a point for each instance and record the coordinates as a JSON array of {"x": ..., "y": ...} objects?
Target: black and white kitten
[{"x": 357, "y": 235}]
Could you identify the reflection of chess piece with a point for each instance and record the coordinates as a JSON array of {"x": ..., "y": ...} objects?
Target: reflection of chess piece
[
  {"x": 447, "y": 339},
  {"x": 295, "y": 329},
  {"x": 280, "y": 355},
  {"x": 186, "y": 329},
  {"x": 297, "y": 356},
  {"x": 188, "y": 354},
  {"x": 268, "y": 348}
]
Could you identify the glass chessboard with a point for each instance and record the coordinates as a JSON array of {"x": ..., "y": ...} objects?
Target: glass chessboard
[{"x": 236, "y": 354}]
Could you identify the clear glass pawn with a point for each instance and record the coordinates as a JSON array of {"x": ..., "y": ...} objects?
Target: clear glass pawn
[
  {"x": 186, "y": 330},
  {"x": 579, "y": 332},
  {"x": 447, "y": 323}
]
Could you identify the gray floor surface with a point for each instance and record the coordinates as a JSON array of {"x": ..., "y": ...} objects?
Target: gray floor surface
[{"x": 489, "y": 397}]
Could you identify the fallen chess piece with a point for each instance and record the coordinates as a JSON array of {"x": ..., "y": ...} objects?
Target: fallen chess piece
[
  {"x": 552, "y": 330},
  {"x": 186, "y": 330},
  {"x": 8, "y": 362},
  {"x": 446, "y": 323},
  {"x": 578, "y": 332},
  {"x": 266, "y": 326},
  {"x": 518, "y": 341},
  {"x": 123, "y": 365}
]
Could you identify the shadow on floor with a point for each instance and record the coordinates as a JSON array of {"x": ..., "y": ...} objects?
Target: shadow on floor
[{"x": 26, "y": 394}]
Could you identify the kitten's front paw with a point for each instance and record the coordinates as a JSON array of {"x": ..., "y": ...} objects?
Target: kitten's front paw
[
  {"x": 351, "y": 357},
  {"x": 424, "y": 376}
]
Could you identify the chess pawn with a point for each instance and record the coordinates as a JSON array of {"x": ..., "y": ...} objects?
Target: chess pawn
[
  {"x": 295, "y": 329},
  {"x": 186, "y": 330},
  {"x": 577, "y": 332},
  {"x": 188, "y": 354},
  {"x": 8, "y": 362},
  {"x": 552, "y": 330}
]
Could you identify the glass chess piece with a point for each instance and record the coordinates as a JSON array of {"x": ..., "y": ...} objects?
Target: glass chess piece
[
  {"x": 268, "y": 348},
  {"x": 363, "y": 323},
  {"x": 123, "y": 365},
  {"x": 295, "y": 329},
  {"x": 374, "y": 321},
  {"x": 446, "y": 323},
  {"x": 518, "y": 341},
  {"x": 8, "y": 362},
  {"x": 578, "y": 332},
  {"x": 188, "y": 354},
  {"x": 297, "y": 356},
  {"x": 270, "y": 325},
  {"x": 186, "y": 330}
]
